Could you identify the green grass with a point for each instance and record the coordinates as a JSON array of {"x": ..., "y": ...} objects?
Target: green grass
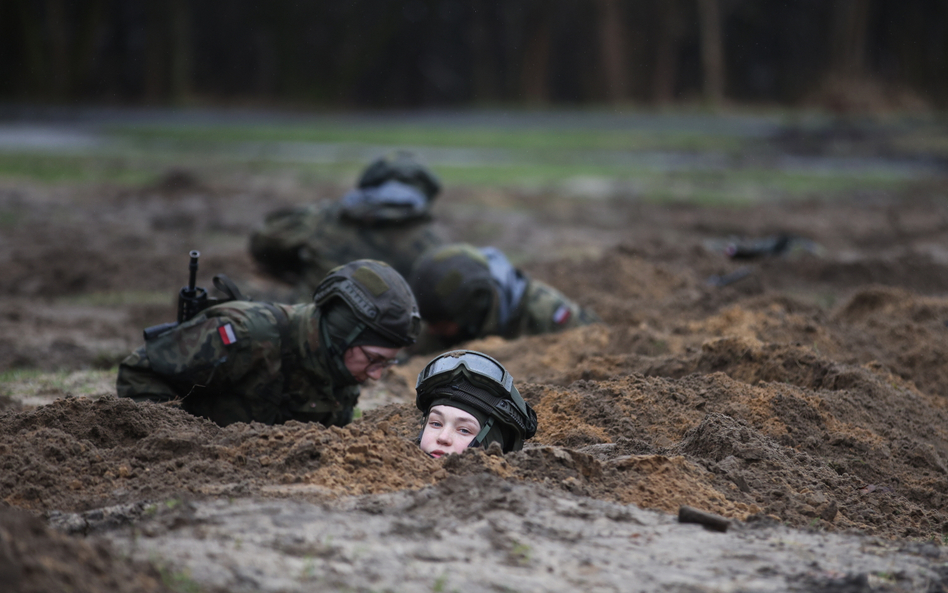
[
  {"x": 523, "y": 157},
  {"x": 57, "y": 168},
  {"x": 20, "y": 375},
  {"x": 517, "y": 138},
  {"x": 10, "y": 218},
  {"x": 122, "y": 298},
  {"x": 179, "y": 581},
  {"x": 35, "y": 387},
  {"x": 735, "y": 186}
]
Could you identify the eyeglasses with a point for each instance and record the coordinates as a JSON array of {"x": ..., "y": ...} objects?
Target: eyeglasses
[
  {"x": 376, "y": 362},
  {"x": 475, "y": 362}
]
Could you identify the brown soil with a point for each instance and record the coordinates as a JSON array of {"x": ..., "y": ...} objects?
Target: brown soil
[
  {"x": 36, "y": 559},
  {"x": 813, "y": 391}
]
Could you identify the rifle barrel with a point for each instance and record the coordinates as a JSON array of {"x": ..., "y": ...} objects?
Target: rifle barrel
[{"x": 193, "y": 269}]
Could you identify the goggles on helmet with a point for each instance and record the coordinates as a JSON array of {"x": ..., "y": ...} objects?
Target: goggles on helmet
[
  {"x": 475, "y": 362},
  {"x": 482, "y": 371}
]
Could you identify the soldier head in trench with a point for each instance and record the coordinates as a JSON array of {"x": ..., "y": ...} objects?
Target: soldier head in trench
[
  {"x": 469, "y": 400},
  {"x": 242, "y": 361},
  {"x": 465, "y": 292}
]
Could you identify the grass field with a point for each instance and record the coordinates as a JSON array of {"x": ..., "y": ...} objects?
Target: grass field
[{"x": 679, "y": 157}]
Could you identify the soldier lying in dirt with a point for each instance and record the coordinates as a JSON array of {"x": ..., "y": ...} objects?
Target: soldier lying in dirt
[
  {"x": 469, "y": 400},
  {"x": 465, "y": 293},
  {"x": 387, "y": 218},
  {"x": 243, "y": 361}
]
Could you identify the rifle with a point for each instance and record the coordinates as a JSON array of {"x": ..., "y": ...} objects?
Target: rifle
[{"x": 192, "y": 299}]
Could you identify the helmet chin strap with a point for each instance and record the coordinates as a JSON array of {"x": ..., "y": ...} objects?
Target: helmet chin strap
[
  {"x": 352, "y": 336},
  {"x": 479, "y": 439},
  {"x": 337, "y": 357}
]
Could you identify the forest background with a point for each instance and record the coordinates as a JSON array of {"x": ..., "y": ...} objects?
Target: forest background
[
  {"x": 614, "y": 148},
  {"x": 841, "y": 55}
]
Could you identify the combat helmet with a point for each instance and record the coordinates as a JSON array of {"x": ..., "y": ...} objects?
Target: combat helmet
[
  {"x": 454, "y": 283},
  {"x": 478, "y": 384},
  {"x": 379, "y": 298},
  {"x": 401, "y": 167}
]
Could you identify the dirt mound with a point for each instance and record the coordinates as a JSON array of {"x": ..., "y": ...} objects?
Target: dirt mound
[
  {"x": 902, "y": 330},
  {"x": 792, "y": 440},
  {"x": 37, "y": 559},
  {"x": 850, "y": 433},
  {"x": 79, "y": 453},
  {"x": 803, "y": 388}
]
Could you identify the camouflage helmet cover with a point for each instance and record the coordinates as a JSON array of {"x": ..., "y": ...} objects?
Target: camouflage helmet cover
[
  {"x": 404, "y": 168},
  {"x": 453, "y": 283},
  {"x": 377, "y": 294}
]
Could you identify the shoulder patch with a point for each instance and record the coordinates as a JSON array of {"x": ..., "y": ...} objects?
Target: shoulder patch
[
  {"x": 561, "y": 315},
  {"x": 227, "y": 334}
]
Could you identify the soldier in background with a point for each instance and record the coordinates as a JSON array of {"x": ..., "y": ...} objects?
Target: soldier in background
[
  {"x": 465, "y": 293},
  {"x": 386, "y": 218},
  {"x": 242, "y": 361}
]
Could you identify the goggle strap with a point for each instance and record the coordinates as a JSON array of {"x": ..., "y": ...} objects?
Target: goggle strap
[
  {"x": 480, "y": 398},
  {"x": 479, "y": 439}
]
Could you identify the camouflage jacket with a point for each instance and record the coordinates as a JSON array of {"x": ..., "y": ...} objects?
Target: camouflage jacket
[
  {"x": 542, "y": 310},
  {"x": 301, "y": 245},
  {"x": 240, "y": 362}
]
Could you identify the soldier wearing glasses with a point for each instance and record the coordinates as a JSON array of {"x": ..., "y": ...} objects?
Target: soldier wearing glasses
[{"x": 243, "y": 361}]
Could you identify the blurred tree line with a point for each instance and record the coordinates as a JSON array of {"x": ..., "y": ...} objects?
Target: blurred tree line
[{"x": 414, "y": 53}]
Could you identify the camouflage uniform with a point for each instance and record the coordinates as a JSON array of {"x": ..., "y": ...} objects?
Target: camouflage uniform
[
  {"x": 543, "y": 310},
  {"x": 387, "y": 218},
  {"x": 301, "y": 245},
  {"x": 451, "y": 281},
  {"x": 242, "y": 362}
]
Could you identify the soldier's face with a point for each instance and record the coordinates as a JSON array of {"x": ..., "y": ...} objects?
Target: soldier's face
[
  {"x": 368, "y": 362},
  {"x": 448, "y": 430}
]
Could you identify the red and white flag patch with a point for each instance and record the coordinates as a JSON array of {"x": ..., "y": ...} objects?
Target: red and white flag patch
[
  {"x": 561, "y": 315},
  {"x": 227, "y": 334}
]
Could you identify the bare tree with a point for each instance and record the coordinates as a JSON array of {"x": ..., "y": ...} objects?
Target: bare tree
[
  {"x": 848, "y": 38},
  {"x": 58, "y": 48},
  {"x": 612, "y": 35},
  {"x": 712, "y": 51},
  {"x": 669, "y": 33},
  {"x": 485, "y": 81},
  {"x": 156, "y": 51},
  {"x": 180, "y": 50},
  {"x": 534, "y": 69}
]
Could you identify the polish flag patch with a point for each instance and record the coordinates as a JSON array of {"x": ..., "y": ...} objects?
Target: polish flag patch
[
  {"x": 561, "y": 315},
  {"x": 227, "y": 334}
]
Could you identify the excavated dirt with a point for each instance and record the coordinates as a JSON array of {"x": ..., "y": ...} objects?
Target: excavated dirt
[{"x": 809, "y": 392}]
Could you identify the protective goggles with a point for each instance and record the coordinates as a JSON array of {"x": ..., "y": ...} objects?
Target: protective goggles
[{"x": 477, "y": 365}]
